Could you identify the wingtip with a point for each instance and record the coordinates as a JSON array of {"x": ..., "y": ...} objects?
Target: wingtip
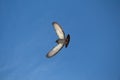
[
  {"x": 54, "y": 23},
  {"x": 48, "y": 56}
]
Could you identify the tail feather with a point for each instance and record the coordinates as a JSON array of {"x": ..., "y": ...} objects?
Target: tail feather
[{"x": 67, "y": 40}]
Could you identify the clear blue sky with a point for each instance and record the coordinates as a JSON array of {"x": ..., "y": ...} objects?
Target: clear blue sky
[{"x": 26, "y": 35}]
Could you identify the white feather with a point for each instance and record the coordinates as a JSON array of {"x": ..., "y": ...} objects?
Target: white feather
[
  {"x": 59, "y": 30},
  {"x": 55, "y": 50}
]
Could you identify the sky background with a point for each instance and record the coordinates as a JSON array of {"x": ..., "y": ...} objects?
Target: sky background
[{"x": 26, "y": 36}]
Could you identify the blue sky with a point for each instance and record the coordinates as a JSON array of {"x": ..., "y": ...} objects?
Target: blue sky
[{"x": 26, "y": 35}]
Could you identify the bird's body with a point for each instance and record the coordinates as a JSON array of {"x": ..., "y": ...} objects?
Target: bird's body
[{"x": 62, "y": 41}]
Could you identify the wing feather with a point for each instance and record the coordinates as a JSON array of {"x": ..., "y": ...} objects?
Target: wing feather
[
  {"x": 59, "y": 30},
  {"x": 55, "y": 50}
]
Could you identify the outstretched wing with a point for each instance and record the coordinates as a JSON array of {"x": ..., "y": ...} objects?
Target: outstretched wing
[
  {"x": 55, "y": 50},
  {"x": 59, "y": 30}
]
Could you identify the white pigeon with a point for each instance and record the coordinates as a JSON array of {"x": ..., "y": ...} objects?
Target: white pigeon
[{"x": 60, "y": 42}]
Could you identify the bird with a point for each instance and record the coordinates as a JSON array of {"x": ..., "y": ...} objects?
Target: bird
[{"x": 61, "y": 41}]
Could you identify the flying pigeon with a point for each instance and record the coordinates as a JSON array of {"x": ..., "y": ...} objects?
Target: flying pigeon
[{"x": 61, "y": 41}]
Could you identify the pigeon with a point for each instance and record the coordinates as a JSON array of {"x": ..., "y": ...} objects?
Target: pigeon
[{"x": 61, "y": 41}]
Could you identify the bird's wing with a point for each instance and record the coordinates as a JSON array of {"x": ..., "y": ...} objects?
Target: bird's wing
[
  {"x": 55, "y": 50},
  {"x": 59, "y": 30}
]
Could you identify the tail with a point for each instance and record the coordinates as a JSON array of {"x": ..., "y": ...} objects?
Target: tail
[{"x": 67, "y": 40}]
